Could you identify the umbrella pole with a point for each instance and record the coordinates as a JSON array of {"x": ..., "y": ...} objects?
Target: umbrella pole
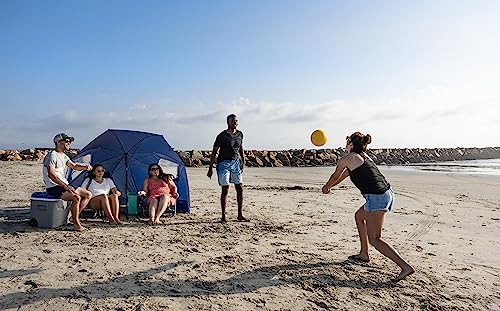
[{"x": 126, "y": 182}]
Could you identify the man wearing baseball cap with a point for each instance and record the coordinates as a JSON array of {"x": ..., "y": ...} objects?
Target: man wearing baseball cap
[{"x": 55, "y": 166}]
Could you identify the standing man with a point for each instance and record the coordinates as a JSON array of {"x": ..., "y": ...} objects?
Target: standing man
[
  {"x": 55, "y": 166},
  {"x": 230, "y": 163}
]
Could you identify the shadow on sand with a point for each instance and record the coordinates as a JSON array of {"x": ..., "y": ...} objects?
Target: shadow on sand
[
  {"x": 14, "y": 273},
  {"x": 310, "y": 276},
  {"x": 15, "y": 219}
]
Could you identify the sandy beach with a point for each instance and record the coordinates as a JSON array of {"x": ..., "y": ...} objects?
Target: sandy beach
[{"x": 291, "y": 256}]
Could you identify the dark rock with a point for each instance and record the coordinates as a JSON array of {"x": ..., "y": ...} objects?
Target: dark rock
[
  {"x": 303, "y": 157},
  {"x": 28, "y": 151}
]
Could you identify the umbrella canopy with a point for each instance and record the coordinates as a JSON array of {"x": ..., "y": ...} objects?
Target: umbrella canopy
[{"x": 127, "y": 155}]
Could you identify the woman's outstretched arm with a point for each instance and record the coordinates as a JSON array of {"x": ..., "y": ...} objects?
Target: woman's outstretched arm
[{"x": 341, "y": 172}]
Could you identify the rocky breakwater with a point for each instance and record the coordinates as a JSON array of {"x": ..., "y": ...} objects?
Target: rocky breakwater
[
  {"x": 304, "y": 157},
  {"x": 36, "y": 154},
  {"x": 328, "y": 157}
]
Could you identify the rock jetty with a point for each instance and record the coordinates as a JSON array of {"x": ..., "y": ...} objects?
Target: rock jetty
[{"x": 304, "y": 157}]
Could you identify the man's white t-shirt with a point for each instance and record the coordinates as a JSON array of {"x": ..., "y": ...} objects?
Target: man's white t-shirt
[
  {"x": 58, "y": 160},
  {"x": 98, "y": 188}
]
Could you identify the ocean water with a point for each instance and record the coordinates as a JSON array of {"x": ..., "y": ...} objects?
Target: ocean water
[{"x": 487, "y": 167}]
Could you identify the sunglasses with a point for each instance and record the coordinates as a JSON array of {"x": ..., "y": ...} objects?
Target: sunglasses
[
  {"x": 65, "y": 141},
  {"x": 154, "y": 169},
  {"x": 100, "y": 171}
]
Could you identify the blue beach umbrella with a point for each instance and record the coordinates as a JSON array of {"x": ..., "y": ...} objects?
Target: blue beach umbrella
[{"x": 126, "y": 155}]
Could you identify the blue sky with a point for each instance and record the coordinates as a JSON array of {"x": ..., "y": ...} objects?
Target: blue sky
[{"x": 412, "y": 74}]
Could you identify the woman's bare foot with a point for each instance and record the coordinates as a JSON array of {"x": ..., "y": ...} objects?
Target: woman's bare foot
[
  {"x": 158, "y": 222},
  {"x": 118, "y": 222},
  {"x": 404, "y": 273},
  {"x": 359, "y": 257},
  {"x": 79, "y": 228},
  {"x": 151, "y": 222}
]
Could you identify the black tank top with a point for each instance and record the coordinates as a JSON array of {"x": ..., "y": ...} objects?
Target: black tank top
[{"x": 368, "y": 179}]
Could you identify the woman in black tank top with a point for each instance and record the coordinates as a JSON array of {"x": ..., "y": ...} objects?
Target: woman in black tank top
[{"x": 379, "y": 196}]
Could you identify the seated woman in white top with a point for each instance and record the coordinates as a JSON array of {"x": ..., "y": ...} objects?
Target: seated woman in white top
[{"x": 104, "y": 194}]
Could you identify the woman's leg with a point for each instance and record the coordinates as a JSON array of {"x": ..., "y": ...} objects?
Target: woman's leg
[
  {"x": 152, "y": 210},
  {"x": 374, "y": 223},
  {"x": 360, "y": 217},
  {"x": 164, "y": 204},
  {"x": 172, "y": 201},
  {"x": 115, "y": 207},
  {"x": 104, "y": 205}
]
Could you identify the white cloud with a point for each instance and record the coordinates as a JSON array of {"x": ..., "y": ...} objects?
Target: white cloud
[{"x": 438, "y": 116}]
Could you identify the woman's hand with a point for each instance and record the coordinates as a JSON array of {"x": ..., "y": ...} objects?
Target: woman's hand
[
  {"x": 175, "y": 195},
  {"x": 325, "y": 189}
]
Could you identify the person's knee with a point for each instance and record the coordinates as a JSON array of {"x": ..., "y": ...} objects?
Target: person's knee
[
  {"x": 359, "y": 215},
  {"x": 225, "y": 190},
  {"x": 86, "y": 194},
  {"x": 239, "y": 188},
  {"x": 373, "y": 239},
  {"x": 76, "y": 197},
  {"x": 114, "y": 196}
]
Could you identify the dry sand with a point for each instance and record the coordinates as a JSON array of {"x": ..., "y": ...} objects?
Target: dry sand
[{"x": 291, "y": 256}]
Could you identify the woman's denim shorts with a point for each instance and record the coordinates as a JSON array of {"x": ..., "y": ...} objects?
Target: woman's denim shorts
[{"x": 379, "y": 202}]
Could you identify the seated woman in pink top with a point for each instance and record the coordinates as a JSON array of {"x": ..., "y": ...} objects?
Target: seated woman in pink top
[{"x": 161, "y": 191}]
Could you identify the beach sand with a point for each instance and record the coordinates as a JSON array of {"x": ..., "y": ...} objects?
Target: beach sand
[{"x": 291, "y": 256}]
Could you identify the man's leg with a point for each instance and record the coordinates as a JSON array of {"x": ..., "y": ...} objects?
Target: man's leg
[
  {"x": 239, "y": 199},
  {"x": 236, "y": 178},
  {"x": 75, "y": 209},
  {"x": 223, "y": 179},
  {"x": 223, "y": 199},
  {"x": 85, "y": 196}
]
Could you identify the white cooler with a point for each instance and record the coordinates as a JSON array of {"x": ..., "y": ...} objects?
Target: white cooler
[{"x": 47, "y": 211}]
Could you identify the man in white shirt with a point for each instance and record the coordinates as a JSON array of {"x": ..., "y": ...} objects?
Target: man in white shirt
[{"x": 55, "y": 165}]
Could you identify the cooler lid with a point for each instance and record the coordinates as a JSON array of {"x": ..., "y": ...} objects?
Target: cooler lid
[{"x": 43, "y": 196}]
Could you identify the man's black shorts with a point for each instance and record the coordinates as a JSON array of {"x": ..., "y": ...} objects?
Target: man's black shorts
[{"x": 56, "y": 191}]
